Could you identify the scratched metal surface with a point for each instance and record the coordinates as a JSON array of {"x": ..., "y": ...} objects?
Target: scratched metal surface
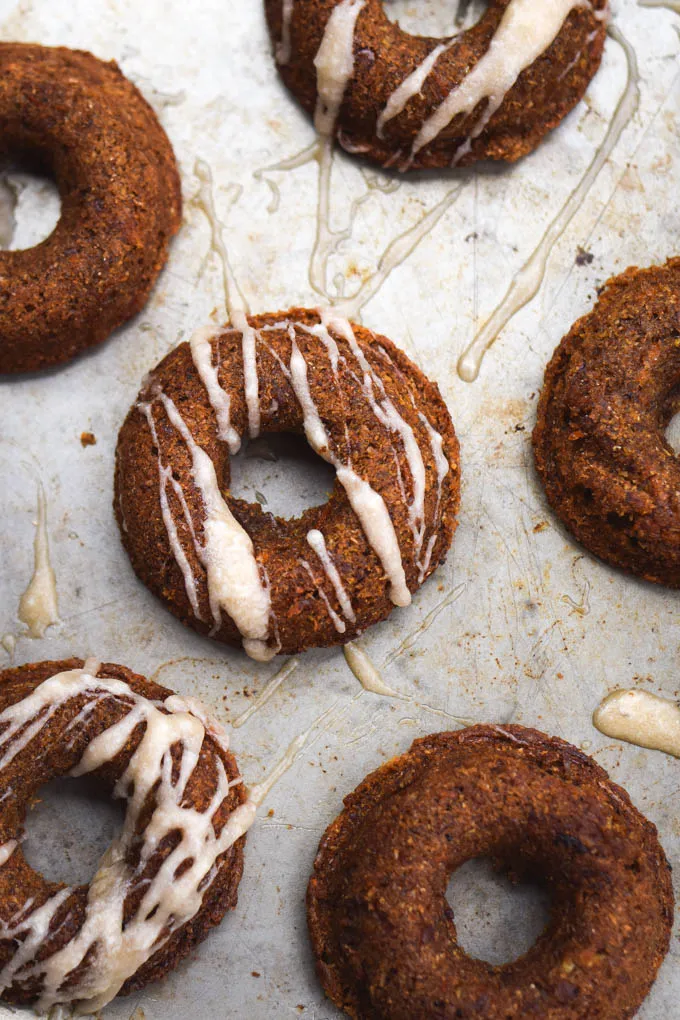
[{"x": 538, "y": 632}]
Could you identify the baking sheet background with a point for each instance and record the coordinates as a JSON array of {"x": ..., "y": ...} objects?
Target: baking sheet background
[{"x": 539, "y": 633}]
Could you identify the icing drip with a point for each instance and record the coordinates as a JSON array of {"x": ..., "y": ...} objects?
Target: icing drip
[
  {"x": 526, "y": 31},
  {"x": 365, "y": 672},
  {"x": 368, "y": 505},
  {"x": 410, "y": 87},
  {"x": 318, "y": 544},
  {"x": 527, "y": 282},
  {"x": 267, "y": 692},
  {"x": 237, "y": 309},
  {"x": 334, "y": 63},
  {"x": 38, "y": 607},
  {"x": 338, "y": 623},
  {"x": 641, "y": 718},
  {"x": 175, "y": 893},
  {"x": 165, "y": 476},
  {"x": 201, "y": 352},
  {"x": 233, "y": 574},
  {"x": 283, "y": 50}
]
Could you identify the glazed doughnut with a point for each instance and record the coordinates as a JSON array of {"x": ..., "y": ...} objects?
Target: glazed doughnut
[
  {"x": 171, "y": 874},
  {"x": 226, "y": 567},
  {"x": 384, "y": 935},
  {"x": 491, "y": 92},
  {"x": 82, "y": 122},
  {"x": 610, "y": 390}
]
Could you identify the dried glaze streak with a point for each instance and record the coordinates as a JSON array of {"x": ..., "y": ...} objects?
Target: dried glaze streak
[
  {"x": 379, "y": 922},
  {"x": 171, "y": 873},
  {"x": 492, "y": 91},
  {"x": 340, "y": 567}
]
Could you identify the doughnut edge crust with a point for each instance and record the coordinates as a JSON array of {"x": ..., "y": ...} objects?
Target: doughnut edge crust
[
  {"x": 79, "y": 119},
  {"x": 18, "y": 879},
  {"x": 392, "y": 108},
  {"x": 323, "y": 577},
  {"x": 340, "y": 904},
  {"x": 600, "y": 451}
]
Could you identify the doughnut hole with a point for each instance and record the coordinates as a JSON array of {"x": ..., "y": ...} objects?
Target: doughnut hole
[
  {"x": 69, "y": 827},
  {"x": 30, "y": 208},
  {"x": 435, "y": 18},
  {"x": 281, "y": 472},
  {"x": 496, "y": 920}
]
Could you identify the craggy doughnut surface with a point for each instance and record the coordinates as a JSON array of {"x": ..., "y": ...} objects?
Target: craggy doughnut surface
[
  {"x": 305, "y": 609},
  {"x": 384, "y": 935},
  {"x": 610, "y": 390},
  {"x": 385, "y": 55},
  {"x": 54, "y": 751},
  {"x": 82, "y": 122}
]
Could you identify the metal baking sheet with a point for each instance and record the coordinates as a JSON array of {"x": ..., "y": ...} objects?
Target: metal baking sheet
[{"x": 519, "y": 625}]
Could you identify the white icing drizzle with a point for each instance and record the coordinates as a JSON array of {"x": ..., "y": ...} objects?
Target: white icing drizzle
[
  {"x": 318, "y": 543},
  {"x": 526, "y": 31},
  {"x": 169, "y": 900},
  {"x": 164, "y": 476},
  {"x": 410, "y": 87},
  {"x": 202, "y": 354},
  {"x": 641, "y": 718},
  {"x": 9, "y": 643},
  {"x": 237, "y": 308},
  {"x": 38, "y": 606},
  {"x": 283, "y": 50},
  {"x": 365, "y": 672},
  {"x": 368, "y": 505},
  {"x": 337, "y": 622},
  {"x": 234, "y": 581},
  {"x": 528, "y": 280},
  {"x": 266, "y": 693},
  {"x": 6, "y": 851},
  {"x": 334, "y": 63}
]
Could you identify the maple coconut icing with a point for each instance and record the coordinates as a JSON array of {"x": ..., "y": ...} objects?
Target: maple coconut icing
[
  {"x": 429, "y": 101},
  {"x": 241, "y": 574},
  {"x": 110, "y": 943}
]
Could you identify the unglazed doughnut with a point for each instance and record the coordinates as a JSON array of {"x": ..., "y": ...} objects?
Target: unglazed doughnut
[
  {"x": 384, "y": 935},
  {"x": 171, "y": 874},
  {"x": 226, "y": 567},
  {"x": 81, "y": 121},
  {"x": 610, "y": 390},
  {"x": 491, "y": 92}
]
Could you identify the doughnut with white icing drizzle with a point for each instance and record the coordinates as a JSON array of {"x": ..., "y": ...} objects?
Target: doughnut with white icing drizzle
[
  {"x": 490, "y": 92},
  {"x": 168, "y": 877},
  {"x": 229, "y": 569}
]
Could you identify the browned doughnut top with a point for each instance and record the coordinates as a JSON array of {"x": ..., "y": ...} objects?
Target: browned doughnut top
[
  {"x": 83, "y": 123},
  {"x": 384, "y": 935},
  {"x": 609, "y": 392},
  {"x": 171, "y": 875},
  {"x": 322, "y": 578},
  {"x": 531, "y": 102}
]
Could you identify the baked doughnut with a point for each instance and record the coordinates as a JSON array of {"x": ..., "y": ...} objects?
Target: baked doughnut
[
  {"x": 610, "y": 390},
  {"x": 170, "y": 876},
  {"x": 491, "y": 92},
  {"x": 82, "y": 122},
  {"x": 383, "y": 933},
  {"x": 226, "y": 567}
]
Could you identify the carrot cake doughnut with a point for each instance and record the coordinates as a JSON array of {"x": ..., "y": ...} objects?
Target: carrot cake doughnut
[
  {"x": 82, "y": 122},
  {"x": 171, "y": 874},
  {"x": 382, "y": 931},
  {"x": 610, "y": 390},
  {"x": 227, "y": 567},
  {"x": 491, "y": 92}
]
